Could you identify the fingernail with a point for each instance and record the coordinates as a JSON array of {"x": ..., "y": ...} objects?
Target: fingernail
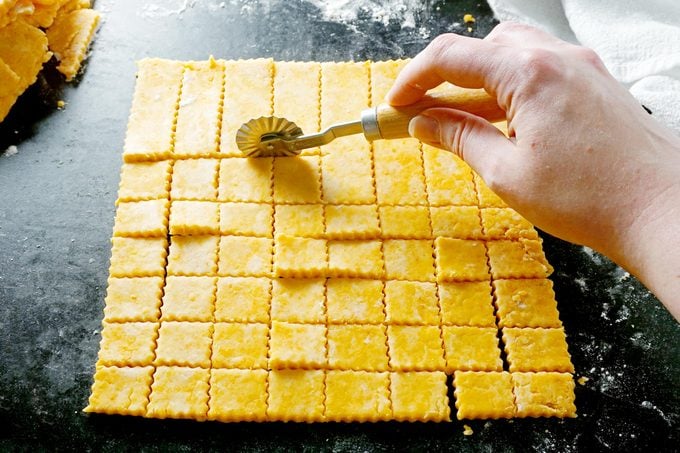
[{"x": 424, "y": 128}]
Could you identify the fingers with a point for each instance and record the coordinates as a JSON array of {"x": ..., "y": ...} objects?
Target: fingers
[
  {"x": 466, "y": 62},
  {"x": 475, "y": 140}
]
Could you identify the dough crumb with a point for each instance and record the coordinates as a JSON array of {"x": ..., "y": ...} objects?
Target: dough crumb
[
  {"x": 469, "y": 19},
  {"x": 582, "y": 380},
  {"x": 467, "y": 431}
]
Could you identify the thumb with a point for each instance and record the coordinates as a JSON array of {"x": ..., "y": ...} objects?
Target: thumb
[{"x": 470, "y": 137}]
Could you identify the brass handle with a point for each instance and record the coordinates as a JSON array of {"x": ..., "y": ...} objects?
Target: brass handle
[{"x": 393, "y": 121}]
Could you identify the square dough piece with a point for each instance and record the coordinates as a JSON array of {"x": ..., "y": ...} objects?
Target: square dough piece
[
  {"x": 411, "y": 302},
  {"x": 144, "y": 181},
  {"x": 243, "y": 299},
  {"x": 461, "y": 260},
  {"x": 184, "y": 344},
  {"x": 448, "y": 178},
  {"x": 357, "y": 347},
  {"x": 526, "y": 303},
  {"x": 357, "y": 396},
  {"x": 298, "y": 300},
  {"x": 355, "y": 259},
  {"x": 133, "y": 299},
  {"x": 506, "y": 223},
  {"x": 122, "y": 391},
  {"x": 147, "y": 218},
  {"x": 544, "y": 394},
  {"x": 179, "y": 392},
  {"x": 299, "y": 220},
  {"x": 347, "y": 175},
  {"x": 518, "y": 259},
  {"x": 300, "y": 257},
  {"x": 240, "y": 345},
  {"x": 238, "y": 395},
  {"x": 297, "y": 345},
  {"x": 419, "y": 396},
  {"x": 409, "y": 259},
  {"x": 194, "y": 218},
  {"x": 383, "y": 75},
  {"x": 472, "y": 349},
  {"x": 193, "y": 255},
  {"x": 537, "y": 350},
  {"x": 405, "y": 222},
  {"x": 246, "y": 179},
  {"x": 296, "y": 395},
  {"x": 246, "y": 219},
  {"x": 195, "y": 179},
  {"x": 466, "y": 304},
  {"x": 352, "y": 222},
  {"x": 354, "y": 301},
  {"x": 399, "y": 178},
  {"x": 460, "y": 222},
  {"x": 127, "y": 344},
  {"x": 415, "y": 348},
  {"x": 245, "y": 256},
  {"x": 485, "y": 196},
  {"x": 483, "y": 395},
  {"x": 297, "y": 179},
  {"x": 138, "y": 257},
  {"x": 189, "y": 298}
]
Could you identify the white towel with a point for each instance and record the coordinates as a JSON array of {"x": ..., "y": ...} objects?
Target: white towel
[{"x": 639, "y": 41}]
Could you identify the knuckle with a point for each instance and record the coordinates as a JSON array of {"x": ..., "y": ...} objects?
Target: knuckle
[
  {"x": 440, "y": 45},
  {"x": 589, "y": 56},
  {"x": 539, "y": 64}
]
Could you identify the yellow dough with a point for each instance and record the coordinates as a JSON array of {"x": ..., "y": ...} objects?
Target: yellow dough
[{"x": 346, "y": 284}]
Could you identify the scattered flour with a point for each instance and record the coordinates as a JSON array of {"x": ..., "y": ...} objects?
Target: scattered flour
[
  {"x": 10, "y": 151},
  {"x": 346, "y": 11}
]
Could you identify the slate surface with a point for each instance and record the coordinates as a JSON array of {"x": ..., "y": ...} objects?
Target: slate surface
[{"x": 56, "y": 214}]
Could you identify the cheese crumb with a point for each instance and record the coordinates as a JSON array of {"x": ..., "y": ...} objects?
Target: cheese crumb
[
  {"x": 61, "y": 104},
  {"x": 469, "y": 19},
  {"x": 467, "y": 431},
  {"x": 582, "y": 380}
]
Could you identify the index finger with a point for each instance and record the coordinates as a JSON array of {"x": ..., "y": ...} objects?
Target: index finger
[{"x": 463, "y": 61}]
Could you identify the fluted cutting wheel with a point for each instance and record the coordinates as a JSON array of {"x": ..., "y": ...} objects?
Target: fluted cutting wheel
[{"x": 252, "y": 136}]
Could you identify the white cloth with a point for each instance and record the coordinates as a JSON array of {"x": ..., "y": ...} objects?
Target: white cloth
[{"x": 638, "y": 40}]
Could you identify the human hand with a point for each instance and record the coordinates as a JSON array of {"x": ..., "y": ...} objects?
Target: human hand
[{"x": 584, "y": 161}]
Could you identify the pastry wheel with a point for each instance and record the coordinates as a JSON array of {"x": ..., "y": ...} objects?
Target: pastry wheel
[{"x": 272, "y": 136}]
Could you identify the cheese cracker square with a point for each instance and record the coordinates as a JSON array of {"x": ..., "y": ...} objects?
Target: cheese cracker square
[
  {"x": 246, "y": 179},
  {"x": 357, "y": 347},
  {"x": 472, "y": 348},
  {"x": 297, "y": 345},
  {"x": 483, "y": 395},
  {"x": 138, "y": 257},
  {"x": 485, "y": 196},
  {"x": 128, "y": 343},
  {"x": 189, "y": 298},
  {"x": 245, "y": 256},
  {"x": 357, "y": 396},
  {"x": 240, "y": 345},
  {"x": 147, "y": 218},
  {"x": 466, "y": 304},
  {"x": 352, "y": 221},
  {"x": 405, "y": 222},
  {"x": 347, "y": 175},
  {"x": 296, "y": 395},
  {"x": 356, "y": 258},
  {"x": 399, "y": 176},
  {"x": 411, "y": 302},
  {"x": 195, "y": 179},
  {"x": 448, "y": 179},
  {"x": 518, "y": 259},
  {"x": 461, "y": 260},
  {"x": 506, "y": 223},
  {"x": 297, "y": 94},
  {"x": 298, "y": 300},
  {"x": 122, "y": 390},
  {"x": 460, "y": 222},
  {"x": 179, "y": 392},
  {"x": 144, "y": 181},
  {"x": 299, "y": 220},
  {"x": 544, "y": 394},
  {"x": 526, "y": 303},
  {"x": 419, "y": 396},
  {"x": 133, "y": 299},
  {"x": 300, "y": 257},
  {"x": 537, "y": 349},
  {"x": 238, "y": 395},
  {"x": 184, "y": 343},
  {"x": 409, "y": 259},
  {"x": 354, "y": 301},
  {"x": 194, "y": 217},
  {"x": 243, "y": 299},
  {"x": 246, "y": 219},
  {"x": 297, "y": 179},
  {"x": 415, "y": 348},
  {"x": 193, "y": 255}
]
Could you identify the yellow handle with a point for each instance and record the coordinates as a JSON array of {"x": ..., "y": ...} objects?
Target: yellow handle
[{"x": 393, "y": 121}]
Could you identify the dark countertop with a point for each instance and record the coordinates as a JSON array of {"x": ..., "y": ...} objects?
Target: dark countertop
[{"x": 57, "y": 198}]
